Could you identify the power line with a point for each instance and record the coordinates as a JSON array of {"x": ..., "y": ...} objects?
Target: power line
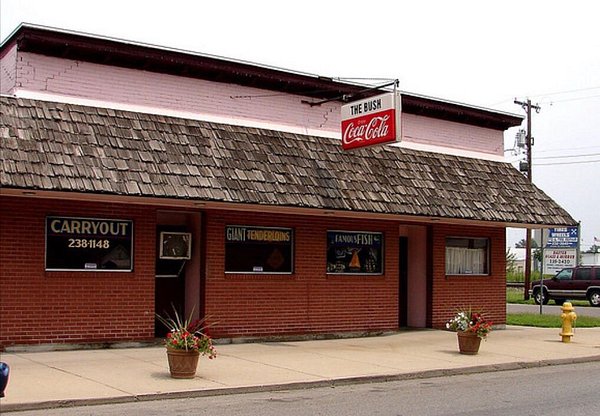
[
  {"x": 567, "y": 163},
  {"x": 568, "y": 148},
  {"x": 573, "y": 99},
  {"x": 567, "y": 156},
  {"x": 543, "y": 95},
  {"x": 566, "y": 91}
]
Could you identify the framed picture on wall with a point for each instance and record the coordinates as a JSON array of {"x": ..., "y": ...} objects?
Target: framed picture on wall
[{"x": 175, "y": 245}]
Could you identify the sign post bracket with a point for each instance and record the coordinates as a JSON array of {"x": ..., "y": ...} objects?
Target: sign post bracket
[{"x": 346, "y": 97}]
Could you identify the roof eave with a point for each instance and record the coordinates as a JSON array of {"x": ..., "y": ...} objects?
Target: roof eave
[{"x": 172, "y": 202}]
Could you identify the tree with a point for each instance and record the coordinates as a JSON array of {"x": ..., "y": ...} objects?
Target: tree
[
  {"x": 523, "y": 243},
  {"x": 593, "y": 249},
  {"x": 511, "y": 260}
]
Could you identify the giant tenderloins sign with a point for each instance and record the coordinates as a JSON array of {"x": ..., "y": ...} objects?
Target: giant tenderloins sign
[{"x": 375, "y": 120}]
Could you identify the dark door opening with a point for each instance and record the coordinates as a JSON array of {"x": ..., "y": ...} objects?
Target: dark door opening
[
  {"x": 169, "y": 291},
  {"x": 403, "y": 283}
]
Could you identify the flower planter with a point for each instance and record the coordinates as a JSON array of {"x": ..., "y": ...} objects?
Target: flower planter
[
  {"x": 468, "y": 342},
  {"x": 182, "y": 363}
]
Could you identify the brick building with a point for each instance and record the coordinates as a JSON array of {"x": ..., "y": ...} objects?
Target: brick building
[{"x": 135, "y": 176}]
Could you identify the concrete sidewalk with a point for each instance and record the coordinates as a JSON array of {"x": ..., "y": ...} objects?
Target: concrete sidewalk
[{"x": 67, "y": 378}]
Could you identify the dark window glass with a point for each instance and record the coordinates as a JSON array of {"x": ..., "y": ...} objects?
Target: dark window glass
[
  {"x": 89, "y": 244},
  {"x": 258, "y": 249},
  {"x": 354, "y": 252},
  {"x": 583, "y": 274}
]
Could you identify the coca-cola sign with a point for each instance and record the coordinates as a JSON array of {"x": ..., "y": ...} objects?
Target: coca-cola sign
[{"x": 370, "y": 121}]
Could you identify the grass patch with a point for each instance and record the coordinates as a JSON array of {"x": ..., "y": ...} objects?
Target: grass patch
[
  {"x": 520, "y": 277},
  {"x": 548, "y": 321},
  {"x": 515, "y": 295}
]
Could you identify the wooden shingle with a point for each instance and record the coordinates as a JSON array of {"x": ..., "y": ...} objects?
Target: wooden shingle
[{"x": 66, "y": 147}]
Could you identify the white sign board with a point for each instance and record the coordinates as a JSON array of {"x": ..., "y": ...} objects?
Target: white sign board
[{"x": 557, "y": 259}]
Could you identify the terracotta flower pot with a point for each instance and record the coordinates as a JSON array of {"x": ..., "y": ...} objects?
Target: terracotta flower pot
[
  {"x": 468, "y": 342},
  {"x": 182, "y": 363}
]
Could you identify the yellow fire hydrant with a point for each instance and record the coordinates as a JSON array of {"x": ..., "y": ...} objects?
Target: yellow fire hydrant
[{"x": 568, "y": 318}]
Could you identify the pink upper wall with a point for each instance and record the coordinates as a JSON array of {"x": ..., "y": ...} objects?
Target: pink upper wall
[
  {"x": 436, "y": 132},
  {"x": 38, "y": 73},
  {"x": 8, "y": 70}
]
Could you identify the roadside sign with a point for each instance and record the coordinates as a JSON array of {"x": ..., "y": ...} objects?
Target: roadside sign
[
  {"x": 557, "y": 259},
  {"x": 562, "y": 237}
]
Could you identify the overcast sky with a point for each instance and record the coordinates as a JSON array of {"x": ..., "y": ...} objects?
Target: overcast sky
[{"x": 484, "y": 53}]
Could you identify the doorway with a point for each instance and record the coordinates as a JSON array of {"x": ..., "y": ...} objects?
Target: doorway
[
  {"x": 177, "y": 270},
  {"x": 403, "y": 283}
]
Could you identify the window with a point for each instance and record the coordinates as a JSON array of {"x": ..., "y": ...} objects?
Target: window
[
  {"x": 354, "y": 252},
  {"x": 584, "y": 274},
  {"x": 467, "y": 256},
  {"x": 565, "y": 274},
  {"x": 175, "y": 246},
  {"x": 258, "y": 249},
  {"x": 89, "y": 244}
]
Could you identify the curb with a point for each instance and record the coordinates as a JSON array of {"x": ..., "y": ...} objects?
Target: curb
[{"x": 519, "y": 365}]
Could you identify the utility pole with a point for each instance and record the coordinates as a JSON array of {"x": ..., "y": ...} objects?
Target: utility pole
[{"x": 527, "y": 106}]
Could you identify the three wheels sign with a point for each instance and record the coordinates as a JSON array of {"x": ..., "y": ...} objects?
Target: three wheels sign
[{"x": 560, "y": 249}]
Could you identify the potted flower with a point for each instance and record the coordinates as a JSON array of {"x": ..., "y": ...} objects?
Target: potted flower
[
  {"x": 185, "y": 341},
  {"x": 471, "y": 327}
]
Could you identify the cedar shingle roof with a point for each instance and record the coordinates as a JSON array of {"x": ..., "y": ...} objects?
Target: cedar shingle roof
[{"x": 67, "y": 147}]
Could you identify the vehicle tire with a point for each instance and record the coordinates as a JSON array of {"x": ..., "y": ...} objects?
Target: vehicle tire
[
  {"x": 559, "y": 301},
  {"x": 594, "y": 297},
  {"x": 536, "y": 297}
]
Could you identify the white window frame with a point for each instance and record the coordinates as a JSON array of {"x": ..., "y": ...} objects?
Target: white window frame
[{"x": 467, "y": 259}]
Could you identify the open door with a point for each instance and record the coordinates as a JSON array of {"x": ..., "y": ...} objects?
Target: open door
[
  {"x": 170, "y": 275},
  {"x": 178, "y": 265}
]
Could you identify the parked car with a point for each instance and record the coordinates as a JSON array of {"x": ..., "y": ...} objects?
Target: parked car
[{"x": 581, "y": 282}]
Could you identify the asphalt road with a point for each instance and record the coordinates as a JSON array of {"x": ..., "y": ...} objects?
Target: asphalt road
[
  {"x": 551, "y": 309},
  {"x": 550, "y": 391}
]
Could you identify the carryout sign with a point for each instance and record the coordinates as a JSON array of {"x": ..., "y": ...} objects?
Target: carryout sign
[
  {"x": 89, "y": 244},
  {"x": 375, "y": 120}
]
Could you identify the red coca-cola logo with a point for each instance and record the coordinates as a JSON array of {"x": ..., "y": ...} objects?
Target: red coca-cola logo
[{"x": 368, "y": 130}]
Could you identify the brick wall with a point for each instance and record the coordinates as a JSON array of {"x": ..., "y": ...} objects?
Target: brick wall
[
  {"x": 309, "y": 300},
  {"x": 487, "y": 293},
  {"x": 55, "y": 307},
  {"x": 76, "y": 307}
]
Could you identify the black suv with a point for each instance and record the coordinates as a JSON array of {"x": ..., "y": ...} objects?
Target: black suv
[{"x": 581, "y": 282}]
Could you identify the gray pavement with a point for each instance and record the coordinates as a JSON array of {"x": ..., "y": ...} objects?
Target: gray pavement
[{"x": 83, "y": 377}]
